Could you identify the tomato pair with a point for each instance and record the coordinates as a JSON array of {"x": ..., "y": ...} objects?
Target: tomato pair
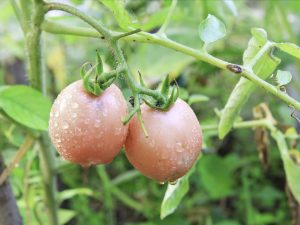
[{"x": 88, "y": 130}]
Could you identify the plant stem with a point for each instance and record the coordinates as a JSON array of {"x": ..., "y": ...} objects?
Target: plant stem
[
  {"x": 33, "y": 50},
  {"x": 167, "y": 20},
  {"x": 145, "y": 37},
  {"x": 240, "y": 125}
]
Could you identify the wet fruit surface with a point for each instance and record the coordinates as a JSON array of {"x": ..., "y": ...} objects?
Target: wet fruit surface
[
  {"x": 173, "y": 145},
  {"x": 87, "y": 129}
]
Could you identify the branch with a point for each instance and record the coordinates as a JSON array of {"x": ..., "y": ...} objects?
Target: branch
[{"x": 145, "y": 37}]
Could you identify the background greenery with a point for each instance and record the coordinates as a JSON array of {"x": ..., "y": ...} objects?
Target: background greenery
[{"x": 230, "y": 184}]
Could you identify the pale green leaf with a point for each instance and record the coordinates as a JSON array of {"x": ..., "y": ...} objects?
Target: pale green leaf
[
  {"x": 65, "y": 216},
  {"x": 264, "y": 67},
  {"x": 121, "y": 15},
  {"x": 174, "y": 194},
  {"x": 26, "y": 106},
  {"x": 211, "y": 29},
  {"x": 283, "y": 77},
  {"x": 289, "y": 48},
  {"x": 231, "y": 6},
  {"x": 291, "y": 168}
]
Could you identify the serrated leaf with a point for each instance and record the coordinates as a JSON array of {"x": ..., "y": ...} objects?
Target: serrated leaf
[
  {"x": 264, "y": 67},
  {"x": 118, "y": 9},
  {"x": 292, "y": 170},
  {"x": 211, "y": 29},
  {"x": 197, "y": 98},
  {"x": 283, "y": 77},
  {"x": 26, "y": 106},
  {"x": 289, "y": 48},
  {"x": 174, "y": 195}
]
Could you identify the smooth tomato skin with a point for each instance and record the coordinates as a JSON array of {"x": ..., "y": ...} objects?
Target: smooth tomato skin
[
  {"x": 173, "y": 144},
  {"x": 87, "y": 129}
]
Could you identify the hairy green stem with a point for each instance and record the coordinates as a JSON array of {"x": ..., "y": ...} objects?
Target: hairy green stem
[
  {"x": 168, "y": 18},
  {"x": 145, "y": 37},
  {"x": 33, "y": 53},
  {"x": 239, "y": 125}
]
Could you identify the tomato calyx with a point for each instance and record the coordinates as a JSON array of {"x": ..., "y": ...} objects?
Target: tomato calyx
[
  {"x": 168, "y": 95},
  {"x": 95, "y": 81}
]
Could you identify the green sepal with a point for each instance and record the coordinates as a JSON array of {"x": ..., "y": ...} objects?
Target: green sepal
[
  {"x": 165, "y": 86},
  {"x": 99, "y": 64}
]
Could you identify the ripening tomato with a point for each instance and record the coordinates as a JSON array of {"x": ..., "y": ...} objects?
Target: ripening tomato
[
  {"x": 87, "y": 129},
  {"x": 173, "y": 144}
]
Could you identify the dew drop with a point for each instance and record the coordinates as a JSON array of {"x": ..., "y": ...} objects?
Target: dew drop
[
  {"x": 179, "y": 147},
  {"x": 65, "y": 126},
  {"x": 75, "y": 105},
  {"x": 161, "y": 182},
  {"x": 56, "y": 114},
  {"x": 118, "y": 131},
  {"x": 174, "y": 182}
]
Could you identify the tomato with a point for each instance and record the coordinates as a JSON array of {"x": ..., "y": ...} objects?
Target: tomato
[
  {"x": 173, "y": 144},
  {"x": 87, "y": 129}
]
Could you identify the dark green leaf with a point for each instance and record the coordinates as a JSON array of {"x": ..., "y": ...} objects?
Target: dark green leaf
[
  {"x": 26, "y": 106},
  {"x": 216, "y": 176}
]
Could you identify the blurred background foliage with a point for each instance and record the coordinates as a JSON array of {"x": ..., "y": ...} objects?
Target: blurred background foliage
[{"x": 230, "y": 186}]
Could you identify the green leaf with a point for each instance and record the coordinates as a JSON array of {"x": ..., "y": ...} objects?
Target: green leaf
[
  {"x": 67, "y": 194},
  {"x": 211, "y": 29},
  {"x": 174, "y": 195},
  {"x": 197, "y": 98},
  {"x": 121, "y": 15},
  {"x": 289, "y": 48},
  {"x": 231, "y": 6},
  {"x": 283, "y": 77},
  {"x": 26, "y": 106},
  {"x": 65, "y": 215},
  {"x": 216, "y": 176},
  {"x": 264, "y": 67},
  {"x": 291, "y": 168},
  {"x": 228, "y": 222}
]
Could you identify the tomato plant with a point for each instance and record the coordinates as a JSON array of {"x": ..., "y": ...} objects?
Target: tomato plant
[{"x": 230, "y": 65}]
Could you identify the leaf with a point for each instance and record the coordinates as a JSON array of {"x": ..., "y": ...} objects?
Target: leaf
[
  {"x": 197, "y": 98},
  {"x": 216, "y": 176},
  {"x": 67, "y": 194},
  {"x": 289, "y": 48},
  {"x": 174, "y": 194},
  {"x": 118, "y": 9},
  {"x": 65, "y": 215},
  {"x": 264, "y": 67},
  {"x": 211, "y": 29},
  {"x": 283, "y": 77},
  {"x": 26, "y": 106},
  {"x": 291, "y": 168},
  {"x": 231, "y": 6}
]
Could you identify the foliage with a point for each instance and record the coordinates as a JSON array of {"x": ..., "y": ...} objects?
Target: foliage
[{"x": 232, "y": 182}]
